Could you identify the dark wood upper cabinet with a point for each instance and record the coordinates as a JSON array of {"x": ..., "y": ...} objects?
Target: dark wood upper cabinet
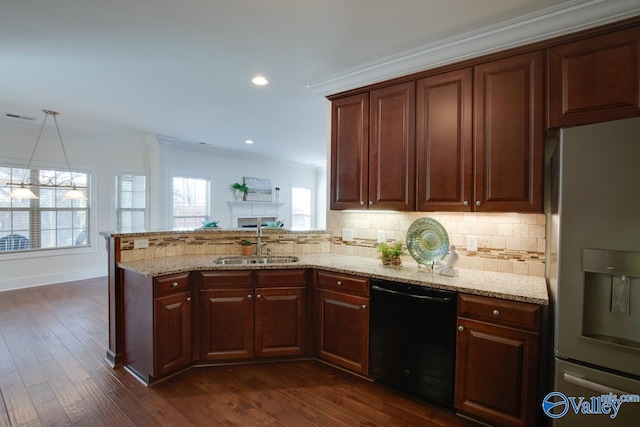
[
  {"x": 595, "y": 79},
  {"x": 444, "y": 142},
  {"x": 349, "y": 151},
  {"x": 508, "y": 134},
  {"x": 373, "y": 150},
  {"x": 392, "y": 148}
]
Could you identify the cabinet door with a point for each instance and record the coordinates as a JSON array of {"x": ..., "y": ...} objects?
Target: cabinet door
[
  {"x": 342, "y": 330},
  {"x": 280, "y": 321},
  {"x": 595, "y": 79},
  {"x": 349, "y": 151},
  {"x": 172, "y": 332},
  {"x": 226, "y": 324},
  {"x": 392, "y": 148},
  {"x": 496, "y": 373},
  {"x": 509, "y": 134},
  {"x": 444, "y": 142}
]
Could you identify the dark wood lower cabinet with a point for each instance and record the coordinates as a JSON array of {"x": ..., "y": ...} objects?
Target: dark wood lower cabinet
[
  {"x": 342, "y": 330},
  {"x": 280, "y": 321},
  {"x": 496, "y": 365},
  {"x": 238, "y": 321},
  {"x": 226, "y": 324},
  {"x": 172, "y": 332}
]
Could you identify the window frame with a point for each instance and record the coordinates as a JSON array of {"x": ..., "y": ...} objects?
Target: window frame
[
  {"x": 209, "y": 198},
  {"x": 114, "y": 195},
  {"x": 91, "y": 247},
  {"x": 310, "y": 208}
]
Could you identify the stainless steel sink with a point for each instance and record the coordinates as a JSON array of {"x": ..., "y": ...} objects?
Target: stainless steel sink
[{"x": 256, "y": 260}]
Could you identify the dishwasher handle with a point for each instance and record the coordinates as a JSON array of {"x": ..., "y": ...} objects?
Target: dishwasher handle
[{"x": 421, "y": 297}]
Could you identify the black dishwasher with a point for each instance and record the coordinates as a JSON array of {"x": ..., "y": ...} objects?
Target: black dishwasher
[{"x": 413, "y": 339}]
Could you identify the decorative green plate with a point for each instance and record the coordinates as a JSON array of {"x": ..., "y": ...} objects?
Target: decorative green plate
[{"x": 427, "y": 241}]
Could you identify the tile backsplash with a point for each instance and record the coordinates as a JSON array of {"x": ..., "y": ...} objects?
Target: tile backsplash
[{"x": 507, "y": 242}]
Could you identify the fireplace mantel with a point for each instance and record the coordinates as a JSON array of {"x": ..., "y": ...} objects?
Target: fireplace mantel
[{"x": 254, "y": 210}]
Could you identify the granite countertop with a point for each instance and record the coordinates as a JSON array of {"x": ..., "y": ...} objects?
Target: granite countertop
[{"x": 499, "y": 285}]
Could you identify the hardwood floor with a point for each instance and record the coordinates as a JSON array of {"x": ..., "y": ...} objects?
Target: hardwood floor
[{"x": 52, "y": 373}]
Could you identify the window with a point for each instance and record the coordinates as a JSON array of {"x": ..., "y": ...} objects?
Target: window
[
  {"x": 190, "y": 202},
  {"x": 131, "y": 202},
  {"x": 300, "y": 208},
  {"x": 49, "y": 222}
]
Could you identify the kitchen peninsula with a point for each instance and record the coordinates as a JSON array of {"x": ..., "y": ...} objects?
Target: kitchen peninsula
[{"x": 173, "y": 306}]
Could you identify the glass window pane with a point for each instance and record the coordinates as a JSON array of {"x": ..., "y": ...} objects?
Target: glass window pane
[{"x": 49, "y": 221}]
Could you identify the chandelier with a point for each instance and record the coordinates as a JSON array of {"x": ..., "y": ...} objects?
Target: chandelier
[{"x": 23, "y": 192}]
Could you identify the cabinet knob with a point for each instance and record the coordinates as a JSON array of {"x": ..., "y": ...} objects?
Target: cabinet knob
[
  {"x": 174, "y": 284},
  {"x": 189, "y": 299},
  {"x": 249, "y": 296},
  {"x": 461, "y": 328},
  {"x": 339, "y": 283},
  {"x": 258, "y": 296},
  {"x": 364, "y": 306},
  {"x": 361, "y": 203},
  {"x": 370, "y": 203},
  {"x": 496, "y": 312},
  {"x": 478, "y": 202},
  {"x": 466, "y": 203}
]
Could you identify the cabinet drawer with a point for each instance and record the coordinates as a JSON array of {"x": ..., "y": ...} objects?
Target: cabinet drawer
[
  {"x": 501, "y": 312},
  {"x": 226, "y": 279},
  {"x": 281, "y": 277},
  {"x": 171, "y": 284},
  {"x": 343, "y": 283}
]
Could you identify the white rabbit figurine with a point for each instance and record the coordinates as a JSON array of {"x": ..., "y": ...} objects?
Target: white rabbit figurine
[{"x": 446, "y": 269}]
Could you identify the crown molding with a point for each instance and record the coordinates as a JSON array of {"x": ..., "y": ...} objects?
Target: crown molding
[
  {"x": 32, "y": 128},
  {"x": 552, "y": 22}
]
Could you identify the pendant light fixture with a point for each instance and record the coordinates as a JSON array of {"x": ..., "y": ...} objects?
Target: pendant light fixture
[{"x": 23, "y": 192}]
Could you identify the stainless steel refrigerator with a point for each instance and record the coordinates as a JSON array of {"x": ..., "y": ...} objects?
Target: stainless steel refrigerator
[{"x": 594, "y": 274}]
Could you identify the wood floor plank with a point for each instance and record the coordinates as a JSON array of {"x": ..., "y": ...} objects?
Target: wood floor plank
[
  {"x": 47, "y": 406},
  {"x": 17, "y": 402}
]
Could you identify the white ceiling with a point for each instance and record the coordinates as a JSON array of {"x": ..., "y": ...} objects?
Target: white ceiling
[{"x": 181, "y": 70}]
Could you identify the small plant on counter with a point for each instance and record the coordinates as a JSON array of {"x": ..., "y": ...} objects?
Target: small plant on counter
[
  {"x": 246, "y": 247},
  {"x": 390, "y": 254},
  {"x": 240, "y": 188}
]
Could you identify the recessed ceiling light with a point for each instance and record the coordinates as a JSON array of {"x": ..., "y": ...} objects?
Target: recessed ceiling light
[
  {"x": 248, "y": 141},
  {"x": 259, "y": 81}
]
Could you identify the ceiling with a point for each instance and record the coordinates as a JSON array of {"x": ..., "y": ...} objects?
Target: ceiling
[{"x": 181, "y": 70}]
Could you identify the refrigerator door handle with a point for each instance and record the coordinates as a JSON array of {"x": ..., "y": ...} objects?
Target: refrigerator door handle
[{"x": 590, "y": 385}]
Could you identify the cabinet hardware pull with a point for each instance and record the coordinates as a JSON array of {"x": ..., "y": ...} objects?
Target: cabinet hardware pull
[
  {"x": 496, "y": 312},
  {"x": 189, "y": 299},
  {"x": 478, "y": 202},
  {"x": 174, "y": 284},
  {"x": 461, "y": 328},
  {"x": 370, "y": 203},
  {"x": 249, "y": 296},
  {"x": 364, "y": 306},
  {"x": 258, "y": 296},
  {"x": 361, "y": 203},
  {"x": 339, "y": 283},
  {"x": 466, "y": 203}
]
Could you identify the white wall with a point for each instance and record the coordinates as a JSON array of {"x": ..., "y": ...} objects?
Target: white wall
[{"x": 106, "y": 155}]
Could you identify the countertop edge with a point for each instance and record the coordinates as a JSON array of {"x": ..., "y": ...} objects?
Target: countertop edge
[{"x": 469, "y": 281}]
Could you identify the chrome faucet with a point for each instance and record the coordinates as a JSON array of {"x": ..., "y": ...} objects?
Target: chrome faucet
[{"x": 259, "y": 244}]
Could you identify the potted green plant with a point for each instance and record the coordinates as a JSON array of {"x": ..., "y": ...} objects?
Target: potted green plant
[
  {"x": 239, "y": 190},
  {"x": 391, "y": 254},
  {"x": 246, "y": 247}
]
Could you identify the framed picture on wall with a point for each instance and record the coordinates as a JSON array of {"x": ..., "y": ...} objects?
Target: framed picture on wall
[{"x": 259, "y": 189}]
